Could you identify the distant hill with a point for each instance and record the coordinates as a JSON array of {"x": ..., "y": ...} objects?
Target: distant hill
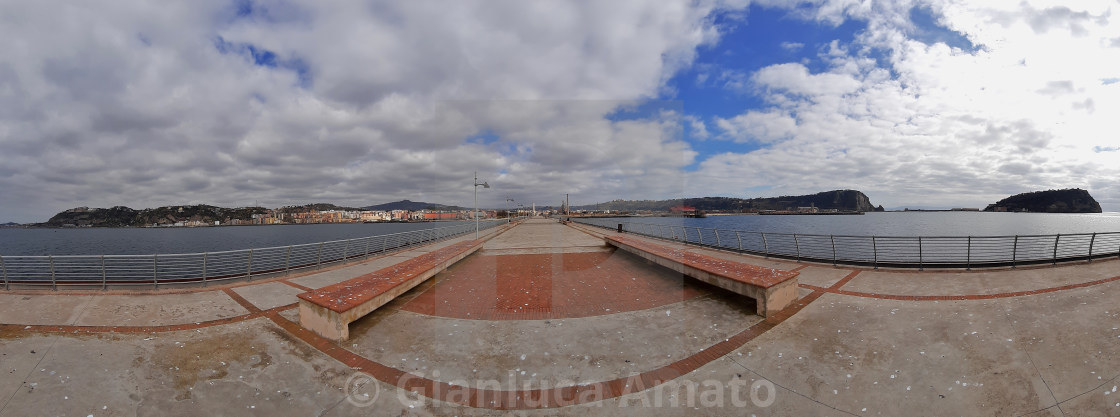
[
  {"x": 1071, "y": 200},
  {"x": 316, "y": 207},
  {"x": 412, "y": 205},
  {"x": 121, "y": 216},
  {"x": 847, "y": 200}
]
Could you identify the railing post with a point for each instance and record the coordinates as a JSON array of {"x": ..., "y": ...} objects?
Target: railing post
[
  {"x": 249, "y": 268},
  {"x": 833, "y": 240},
  {"x": 1092, "y": 240},
  {"x": 699, "y": 236},
  {"x": 874, "y": 253},
  {"x": 288, "y": 261},
  {"x": 716, "y": 231},
  {"x": 1014, "y": 251},
  {"x": 1057, "y": 238},
  {"x": 920, "y": 265},
  {"x": 346, "y": 250},
  {"x": 367, "y": 247},
  {"x": 155, "y": 271},
  {"x": 204, "y": 256},
  {"x": 54, "y": 285},
  {"x": 661, "y": 230},
  {"x": 5, "y": 272},
  {"x": 740, "y": 239},
  {"x": 319, "y": 257},
  {"x": 385, "y": 245},
  {"x": 968, "y": 255},
  {"x": 797, "y": 247},
  {"x": 104, "y": 281},
  {"x": 765, "y": 245}
]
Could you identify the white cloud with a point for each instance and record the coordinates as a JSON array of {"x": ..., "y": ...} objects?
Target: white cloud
[
  {"x": 761, "y": 127},
  {"x": 939, "y": 126},
  {"x": 142, "y": 104},
  {"x": 795, "y": 78},
  {"x": 792, "y": 46},
  {"x": 697, "y": 128}
]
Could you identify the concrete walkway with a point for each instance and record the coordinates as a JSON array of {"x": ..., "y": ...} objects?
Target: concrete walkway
[{"x": 547, "y": 320}]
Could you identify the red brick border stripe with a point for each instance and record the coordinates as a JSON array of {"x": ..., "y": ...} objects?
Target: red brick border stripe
[
  {"x": 241, "y": 300},
  {"x": 844, "y": 280},
  {"x": 296, "y": 286},
  {"x": 46, "y": 328},
  {"x": 538, "y": 398},
  {"x": 835, "y": 290}
]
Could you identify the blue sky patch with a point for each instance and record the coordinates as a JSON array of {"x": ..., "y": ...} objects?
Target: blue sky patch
[
  {"x": 718, "y": 84},
  {"x": 929, "y": 31},
  {"x": 265, "y": 58}
]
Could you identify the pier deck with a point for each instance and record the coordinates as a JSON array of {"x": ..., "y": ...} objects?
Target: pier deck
[{"x": 547, "y": 320}]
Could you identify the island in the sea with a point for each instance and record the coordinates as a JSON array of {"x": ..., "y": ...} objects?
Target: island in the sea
[
  {"x": 823, "y": 202},
  {"x": 1071, "y": 200}
]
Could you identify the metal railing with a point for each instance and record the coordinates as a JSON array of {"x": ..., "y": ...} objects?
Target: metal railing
[
  {"x": 889, "y": 251},
  {"x": 104, "y": 271}
]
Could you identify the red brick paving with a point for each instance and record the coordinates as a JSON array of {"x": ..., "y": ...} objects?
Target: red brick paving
[
  {"x": 348, "y": 294},
  {"x": 554, "y": 285}
]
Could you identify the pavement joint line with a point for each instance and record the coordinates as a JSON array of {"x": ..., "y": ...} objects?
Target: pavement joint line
[
  {"x": 1058, "y": 404},
  {"x": 1097, "y": 388},
  {"x": 241, "y": 300},
  {"x": 788, "y": 388},
  {"x": 550, "y": 398}
]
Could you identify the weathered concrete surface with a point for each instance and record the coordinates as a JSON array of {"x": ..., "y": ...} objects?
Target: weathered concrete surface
[
  {"x": 982, "y": 282},
  {"x": 41, "y": 308},
  {"x": 543, "y": 236},
  {"x": 268, "y": 295},
  {"x": 536, "y": 352},
  {"x": 248, "y": 368},
  {"x": 161, "y": 309},
  {"x": 819, "y": 276}
]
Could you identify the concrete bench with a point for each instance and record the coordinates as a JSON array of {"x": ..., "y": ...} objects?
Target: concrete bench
[
  {"x": 772, "y": 289},
  {"x": 328, "y": 311}
]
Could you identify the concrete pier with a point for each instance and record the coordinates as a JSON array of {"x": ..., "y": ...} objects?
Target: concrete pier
[{"x": 547, "y": 320}]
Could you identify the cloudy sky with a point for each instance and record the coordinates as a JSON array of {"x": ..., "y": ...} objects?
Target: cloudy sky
[{"x": 917, "y": 103}]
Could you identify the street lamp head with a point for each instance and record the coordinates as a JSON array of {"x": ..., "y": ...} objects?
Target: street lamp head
[{"x": 485, "y": 185}]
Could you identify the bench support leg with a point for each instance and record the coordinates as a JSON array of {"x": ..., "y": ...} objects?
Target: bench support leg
[{"x": 323, "y": 321}]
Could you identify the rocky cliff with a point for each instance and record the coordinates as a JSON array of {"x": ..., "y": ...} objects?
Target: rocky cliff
[
  {"x": 1072, "y": 200},
  {"x": 845, "y": 200}
]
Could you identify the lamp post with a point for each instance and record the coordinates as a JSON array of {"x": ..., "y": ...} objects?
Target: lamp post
[
  {"x": 508, "y": 200},
  {"x": 476, "y": 184}
]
